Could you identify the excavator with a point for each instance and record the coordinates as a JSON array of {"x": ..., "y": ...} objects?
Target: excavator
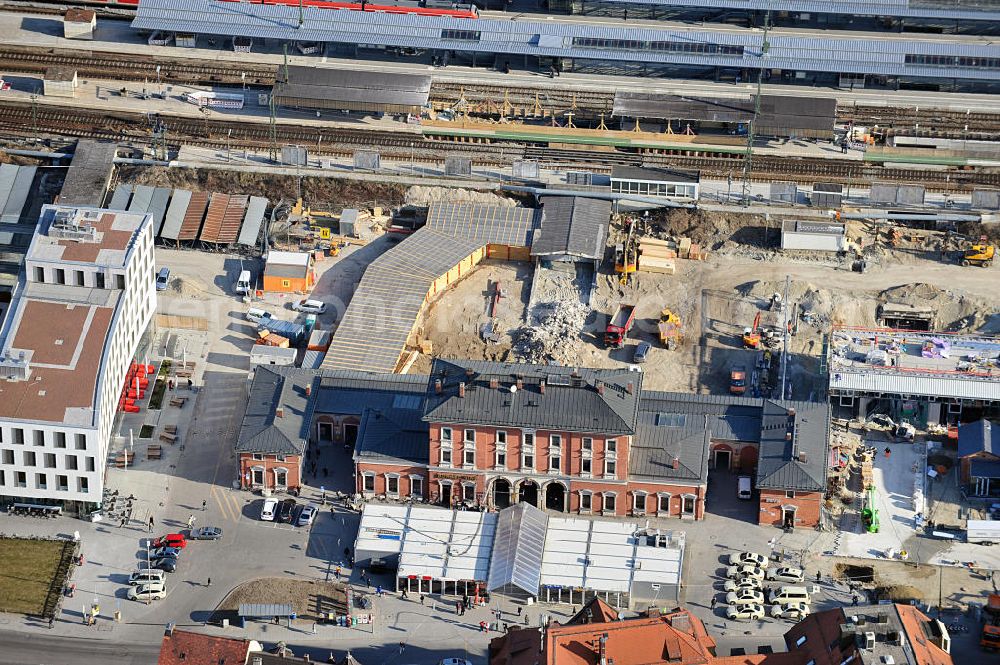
[
  {"x": 979, "y": 255},
  {"x": 670, "y": 329},
  {"x": 751, "y": 336}
]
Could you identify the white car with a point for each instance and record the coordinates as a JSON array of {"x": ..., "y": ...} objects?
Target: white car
[
  {"x": 310, "y": 306},
  {"x": 792, "y": 611},
  {"x": 745, "y": 597},
  {"x": 745, "y": 612},
  {"x": 786, "y": 574},
  {"x": 269, "y": 510},
  {"x": 752, "y": 558},
  {"x": 454, "y": 661},
  {"x": 742, "y": 583},
  {"x": 150, "y": 591},
  {"x": 744, "y": 571}
]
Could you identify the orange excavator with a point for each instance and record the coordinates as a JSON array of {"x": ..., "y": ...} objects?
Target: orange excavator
[{"x": 751, "y": 336}]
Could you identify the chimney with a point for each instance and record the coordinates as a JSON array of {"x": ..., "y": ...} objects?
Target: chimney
[
  {"x": 461, "y": 389},
  {"x": 791, "y": 413},
  {"x": 306, "y": 658},
  {"x": 802, "y": 457},
  {"x": 675, "y": 463},
  {"x": 788, "y": 436},
  {"x": 169, "y": 632},
  {"x": 309, "y": 389},
  {"x": 520, "y": 383},
  {"x": 469, "y": 373},
  {"x": 630, "y": 388},
  {"x": 494, "y": 382},
  {"x": 541, "y": 386},
  {"x": 279, "y": 412},
  {"x": 575, "y": 373},
  {"x": 437, "y": 386},
  {"x": 600, "y": 388}
]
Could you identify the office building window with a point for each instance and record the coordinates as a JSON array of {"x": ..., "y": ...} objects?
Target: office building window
[
  {"x": 50, "y": 460},
  {"x": 60, "y": 439},
  {"x": 18, "y": 436},
  {"x": 368, "y": 482},
  {"x": 610, "y": 467},
  {"x": 60, "y": 276},
  {"x": 40, "y": 274},
  {"x": 609, "y": 502},
  {"x": 445, "y": 434},
  {"x": 8, "y": 457},
  {"x": 38, "y": 437},
  {"x": 587, "y": 443},
  {"x": 663, "y": 504},
  {"x": 585, "y": 466},
  {"x": 62, "y": 483},
  {"x": 392, "y": 484},
  {"x": 81, "y": 441},
  {"x": 90, "y": 464},
  {"x": 445, "y": 456},
  {"x": 469, "y": 454},
  {"x": 83, "y": 485},
  {"x": 611, "y": 445},
  {"x": 469, "y": 436},
  {"x": 501, "y": 461},
  {"x": 586, "y": 501},
  {"x": 416, "y": 486},
  {"x": 28, "y": 457},
  {"x": 20, "y": 479},
  {"x": 41, "y": 482},
  {"x": 469, "y": 492},
  {"x": 527, "y": 460},
  {"x": 71, "y": 462}
]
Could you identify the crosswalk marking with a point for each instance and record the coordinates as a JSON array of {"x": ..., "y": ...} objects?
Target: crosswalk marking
[{"x": 228, "y": 504}]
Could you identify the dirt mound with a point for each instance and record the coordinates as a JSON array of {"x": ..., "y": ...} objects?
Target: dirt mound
[
  {"x": 555, "y": 327},
  {"x": 419, "y": 195},
  {"x": 898, "y": 593},
  {"x": 912, "y": 294},
  {"x": 309, "y": 599},
  {"x": 318, "y": 192},
  {"x": 712, "y": 230}
]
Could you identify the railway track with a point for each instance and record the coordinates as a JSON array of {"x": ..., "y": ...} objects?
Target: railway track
[
  {"x": 22, "y": 119},
  {"x": 115, "y": 67}
]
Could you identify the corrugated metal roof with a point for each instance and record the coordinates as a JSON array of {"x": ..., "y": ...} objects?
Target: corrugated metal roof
[
  {"x": 572, "y": 226},
  {"x": 978, "y": 437},
  {"x": 8, "y": 173},
  {"x": 393, "y": 433},
  {"x": 262, "y": 430},
  {"x": 158, "y": 207},
  {"x": 915, "y": 385},
  {"x": 120, "y": 198},
  {"x": 141, "y": 197},
  {"x": 869, "y": 54},
  {"x": 175, "y": 214},
  {"x": 518, "y": 548},
  {"x": 252, "y": 221},
  {"x": 312, "y": 359},
  {"x": 264, "y": 610},
  {"x": 793, "y": 446},
  {"x": 968, "y": 11},
  {"x": 232, "y": 219},
  {"x": 647, "y": 174},
  {"x": 373, "y": 88}
]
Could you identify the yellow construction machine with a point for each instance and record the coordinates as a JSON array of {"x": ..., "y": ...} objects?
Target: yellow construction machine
[
  {"x": 670, "y": 328},
  {"x": 979, "y": 255}
]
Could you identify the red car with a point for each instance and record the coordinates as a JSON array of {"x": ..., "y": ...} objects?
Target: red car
[{"x": 171, "y": 540}]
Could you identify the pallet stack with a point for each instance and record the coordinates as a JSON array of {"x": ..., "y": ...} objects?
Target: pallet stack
[{"x": 658, "y": 256}]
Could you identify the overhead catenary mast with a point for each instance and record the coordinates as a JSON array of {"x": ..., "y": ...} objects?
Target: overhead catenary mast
[{"x": 765, "y": 46}]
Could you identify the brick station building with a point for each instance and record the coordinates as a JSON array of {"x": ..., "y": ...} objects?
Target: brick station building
[{"x": 585, "y": 441}]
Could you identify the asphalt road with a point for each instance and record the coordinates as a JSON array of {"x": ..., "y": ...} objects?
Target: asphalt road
[{"x": 44, "y": 649}]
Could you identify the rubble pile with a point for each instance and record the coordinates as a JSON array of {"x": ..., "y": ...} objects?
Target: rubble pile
[{"x": 552, "y": 332}]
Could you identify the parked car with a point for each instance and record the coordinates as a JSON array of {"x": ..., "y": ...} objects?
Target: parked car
[
  {"x": 742, "y": 583},
  {"x": 746, "y": 570},
  {"x": 306, "y": 515},
  {"x": 268, "y": 510},
  {"x": 206, "y": 533},
  {"x": 641, "y": 351},
  {"x": 786, "y": 574},
  {"x": 257, "y": 315},
  {"x": 285, "y": 511},
  {"x": 753, "y": 558},
  {"x": 145, "y": 576},
  {"x": 162, "y": 278},
  {"x": 167, "y": 564},
  {"x": 745, "y": 597},
  {"x": 792, "y": 611},
  {"x": 176, "y": 540},
  {"x": 310, "y": 306},
  {"x": 159, "y": 552},
  {"x": 745, "y": 612},
  {"x": 151, "y": 591},
  {"x": 787, "y": 595},
  {"x": 454, "y": 661}
]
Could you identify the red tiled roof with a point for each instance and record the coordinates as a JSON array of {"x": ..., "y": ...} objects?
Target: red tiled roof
[
  {"x": 926, "y": 652},
  {"x": 187, "y": 648}
]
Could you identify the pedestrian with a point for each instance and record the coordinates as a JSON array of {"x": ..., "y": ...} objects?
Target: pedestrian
[
  {"x": 402, "y": 645},
  {"x": 715, "y": 601},
  {"x": 151, "y": 524},
  {"x": 421, "y": 599},
  {"x": 458, "y": 607},
  {"x": 482, "y": 626},
  {"x": 887, "y": 452},
  {"x": 404, "y": 596},
  {"x": 204, "y": 504},
  {"x": 190, "y": 383},
  {"x": 519, "y": 610},
  {"x": 52, "y": 621},
  {"x": 378, "y": 590},
  {"x": 525, "y": 619},
  {"x": 209, "y": 583},
  {"x": 854, "y": 599},
  {"x": 121, "y": 523},
  {"x": 625, "y": 15},
  {"x": 819, "y": 576},
  {"x": 336, "y": 573},
  {"x": 368, "y": 581},
  {"x": 190, "y": 521}
]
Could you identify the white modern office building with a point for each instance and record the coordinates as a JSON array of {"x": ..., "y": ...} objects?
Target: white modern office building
[{"x": 82, "y": 305}]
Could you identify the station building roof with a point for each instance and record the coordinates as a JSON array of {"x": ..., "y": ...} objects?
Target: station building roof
[
  {"x": 817, "y": 51},
  {"x": 321, "y": 87},
  {"x": 956, "y": 9}
]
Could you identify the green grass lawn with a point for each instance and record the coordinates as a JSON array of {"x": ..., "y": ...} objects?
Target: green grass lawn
[{"x": 27, "y": 568}]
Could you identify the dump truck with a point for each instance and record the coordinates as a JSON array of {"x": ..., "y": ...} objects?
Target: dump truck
[
  {"x": 990, "y": 637},
  {"x": 619, "y": 326},
  {"x": 738, "y": 379},
  {"x": 979, "y": 255},
  {"x": 670, "y": 329}
]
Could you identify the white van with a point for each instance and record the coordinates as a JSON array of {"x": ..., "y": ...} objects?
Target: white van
[
  {"x": 257, "y": 315},
  {"x": 744, "y": 488},
  {"x": 146, "y": 576},
  {"x": 789, "y": 594},
  {"x": 242, "y": 284}
]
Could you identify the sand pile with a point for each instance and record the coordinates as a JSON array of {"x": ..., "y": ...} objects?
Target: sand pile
[{"x": 419, "y": 195}]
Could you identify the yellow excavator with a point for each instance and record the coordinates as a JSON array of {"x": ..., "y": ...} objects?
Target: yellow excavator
[
  {"x": 670, "y": 328},
  {"x": 979, "y": 255}
]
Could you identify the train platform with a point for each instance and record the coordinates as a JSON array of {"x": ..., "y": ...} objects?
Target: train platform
[{"x": 45, "y": 31}]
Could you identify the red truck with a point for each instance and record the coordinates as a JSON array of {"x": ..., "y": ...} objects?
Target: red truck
[
  {"x": 738, "y": 380},
  {"x": 619, "y": 326}
]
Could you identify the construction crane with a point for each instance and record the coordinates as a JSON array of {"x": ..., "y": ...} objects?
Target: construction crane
[{"x": 765, "y": 46}]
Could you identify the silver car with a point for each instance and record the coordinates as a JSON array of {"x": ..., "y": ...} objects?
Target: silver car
[{"x": 206, "y": 533}]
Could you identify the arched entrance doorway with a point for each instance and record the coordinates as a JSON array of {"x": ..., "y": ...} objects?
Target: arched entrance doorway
[
  {"x": 501, "y": 493},
  {"x": 528, "y": 492},
  {"x": 555, "y": 497}
]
